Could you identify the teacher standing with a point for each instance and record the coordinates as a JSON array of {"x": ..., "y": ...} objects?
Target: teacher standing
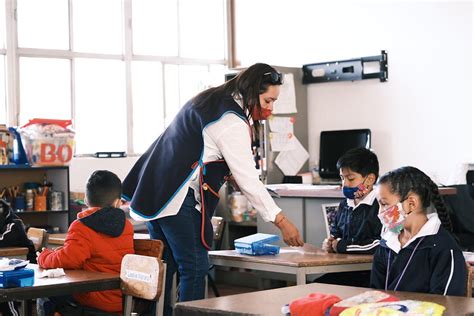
[{"x": 174, "y": 185}]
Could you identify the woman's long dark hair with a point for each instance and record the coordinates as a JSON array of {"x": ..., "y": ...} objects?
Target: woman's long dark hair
[
  {"x": 408, "y": 179},
  {"x": 248, "y": 84}
]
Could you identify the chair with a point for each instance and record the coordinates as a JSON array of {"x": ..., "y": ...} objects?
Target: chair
[
  {"x": 469, "y": 280},
  {"x": 218, "y": 225},
  {"x": 38, "y": 236},
  {"x": 143, "y": 274}
]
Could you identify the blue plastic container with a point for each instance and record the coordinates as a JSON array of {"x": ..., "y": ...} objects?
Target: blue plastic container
[
  {"x": 257, "y": 245},
  {"x": 17, "y": 278}
]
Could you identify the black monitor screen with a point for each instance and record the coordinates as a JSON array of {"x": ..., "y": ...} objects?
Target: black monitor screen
[{"x": 334, "y": 144}]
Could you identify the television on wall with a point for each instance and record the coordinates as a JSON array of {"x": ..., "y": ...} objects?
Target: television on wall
[{"x": 333, "y": 144}]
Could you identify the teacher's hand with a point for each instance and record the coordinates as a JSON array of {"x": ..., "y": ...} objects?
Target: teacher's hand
[{"x": 291, "y": 235}]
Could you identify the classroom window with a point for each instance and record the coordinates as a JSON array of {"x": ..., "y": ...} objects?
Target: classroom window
[
  {"x": 43, "y": 24},
  {"x": 148, "y": 107},
  {"x": 101, "y": 123},
  {"x": 202, "y": 35},
  {"x": 3, "y": 75},
  {"x": 97, "y": 26},
  {"x": 122, "y": 67},
  {"x": 153, "y": 20},
  {"x": 3, "y": 103},
  {"x": 45, "y": 88}
]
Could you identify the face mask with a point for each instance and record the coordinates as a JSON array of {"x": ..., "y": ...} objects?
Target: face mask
[
  {"x": 393, "y": 217},
  {"x": 350, "y": 192},
  {"x": 261, "y": 114}
]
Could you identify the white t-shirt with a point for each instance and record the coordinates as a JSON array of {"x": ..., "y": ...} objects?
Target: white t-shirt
[{"x": 229, "y": 139}]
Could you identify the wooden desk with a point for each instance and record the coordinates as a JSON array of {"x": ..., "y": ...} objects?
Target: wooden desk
[
  {"x": 269, "y": 302},
  {"x": 75, "y": 281},
  {"x": 58, "y": 239},
  {"x": 14, "y": 252},
  {"x": 291, "y": 261}
]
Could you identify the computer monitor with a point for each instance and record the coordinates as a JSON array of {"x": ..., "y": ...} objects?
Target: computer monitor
[{"x": 334, "y": 144}]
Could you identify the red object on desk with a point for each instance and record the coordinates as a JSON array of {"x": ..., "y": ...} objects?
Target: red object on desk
[{"x": 314, "y": 304}]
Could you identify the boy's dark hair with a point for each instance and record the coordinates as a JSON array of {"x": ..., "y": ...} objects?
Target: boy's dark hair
[
  {"x": 360, "y": 160},
  {"x": 103, "y": 188},
  {"x": 408, "y": 179}
]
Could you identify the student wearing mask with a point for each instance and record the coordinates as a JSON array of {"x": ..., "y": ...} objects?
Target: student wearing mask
[
  {"x": 356, "y": 228},
  {"x": 417, "y": 253},
  {"x": 174, "y": 185}
]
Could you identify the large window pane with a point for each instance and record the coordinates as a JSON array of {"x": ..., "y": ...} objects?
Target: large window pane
[
  {"x": 147, "y": 92},
  {"x": 183, "y": 82},
  {"x": 3, "y": 101},
  {"x": 45, "y": 88},
  {"x": 202, "y": 35},
  {"x": 97, "y": 26},
  {"x": 100, "y": 106},
  {"x": 43, "y": 24},
  {"x": 2, "y": 24},
  {"x": 172, "y": 102},
  {"x": 192, "y": 80},
  {"x": 155, "y": 27}
]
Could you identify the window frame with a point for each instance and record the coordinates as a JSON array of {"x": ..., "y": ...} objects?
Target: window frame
[{"x": 13, "y": 54}]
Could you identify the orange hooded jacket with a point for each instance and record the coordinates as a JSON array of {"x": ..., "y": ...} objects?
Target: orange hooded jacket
[{"x": 96, "y": 241}]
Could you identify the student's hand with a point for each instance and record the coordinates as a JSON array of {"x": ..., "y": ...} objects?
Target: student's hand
[
  {"x": 334, "y": 245},
  {"x": 327, "y": 244},
  {"x": 38, "y": 253},
  {"x": 291, "y": 235}
]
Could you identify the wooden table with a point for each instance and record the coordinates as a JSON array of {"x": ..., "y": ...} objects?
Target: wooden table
[
  {"x": 14, "y": 252},
  {"x": 58, "y": 239},
  {"x": 269, "y": 302},
  {"x": 291, "y": 261},
  {"x": 75, "y": 281}
]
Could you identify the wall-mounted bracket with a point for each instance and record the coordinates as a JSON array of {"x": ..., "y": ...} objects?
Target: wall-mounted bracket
[{"x": 372, "y": 67}]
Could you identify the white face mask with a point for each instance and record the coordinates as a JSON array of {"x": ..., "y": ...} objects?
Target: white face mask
[{"x": 393, "y": 217}]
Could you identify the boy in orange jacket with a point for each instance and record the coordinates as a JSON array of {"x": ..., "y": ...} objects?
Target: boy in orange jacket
[{"x": 96, "y": 241}]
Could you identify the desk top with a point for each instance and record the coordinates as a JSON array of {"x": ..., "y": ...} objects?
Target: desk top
[
  {"x": 58, "y": 239},
  {"x": 293, "y": 258},
  {"x": 13, "y": 251},
  {"x": 74, "y": 281},
  {"x": 324, "y": 191},
  {"x": 269, "y": 302}
]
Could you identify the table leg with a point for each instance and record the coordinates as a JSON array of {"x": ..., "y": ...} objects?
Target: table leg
[{"x": 300, "y": 277}]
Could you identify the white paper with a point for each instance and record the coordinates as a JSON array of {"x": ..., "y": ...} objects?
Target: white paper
[
  {"x": 281, "y": 141},
  {"x": 279, "y": 124},
  {"x": 286, "y": 102},
  {"x": 52, "y": 273},
  {"x": 291, "y": 161}
]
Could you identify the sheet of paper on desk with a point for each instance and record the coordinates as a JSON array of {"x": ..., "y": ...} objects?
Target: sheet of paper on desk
[{"x": 309, "y": 249}]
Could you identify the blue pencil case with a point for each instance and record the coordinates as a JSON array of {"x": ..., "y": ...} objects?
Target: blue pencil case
[
  {"x": 257, "y": 245},
  {"x": 17, "y": 278}
]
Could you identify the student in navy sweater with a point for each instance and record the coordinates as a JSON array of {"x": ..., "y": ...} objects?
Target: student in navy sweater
[
  {"x": 417, "y": 253},
  {"x": 356, "y": 228}
]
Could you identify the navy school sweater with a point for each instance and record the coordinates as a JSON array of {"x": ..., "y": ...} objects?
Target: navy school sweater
[
  {"x": 358, "y": 228},
  {"x": 437, "y": 266}
]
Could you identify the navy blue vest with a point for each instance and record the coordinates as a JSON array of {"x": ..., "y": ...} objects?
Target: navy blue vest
[{"x": 170, "y": 161}]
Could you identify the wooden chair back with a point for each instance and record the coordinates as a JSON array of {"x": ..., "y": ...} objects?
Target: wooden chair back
[
  {"x": 469, "y": 280},
  {"x": 143, "y": 274},
  {"x": 38, "y": 236}
]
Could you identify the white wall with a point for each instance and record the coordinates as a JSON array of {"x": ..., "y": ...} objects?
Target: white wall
[{"x": 423, "y": 116}]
